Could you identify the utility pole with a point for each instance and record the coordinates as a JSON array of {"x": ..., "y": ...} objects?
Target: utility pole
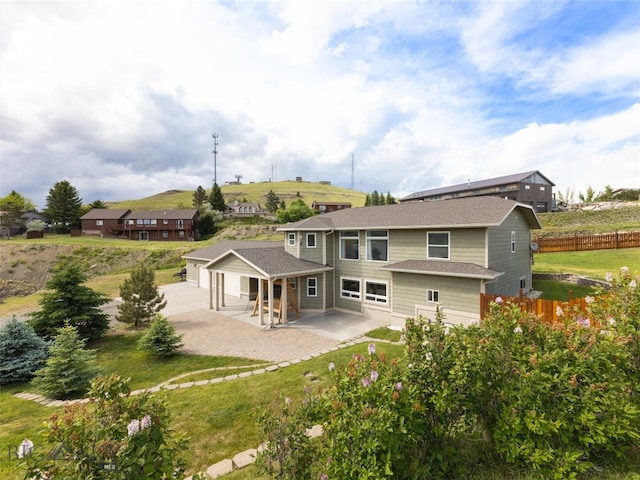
[{"x": 215, "y": 158}]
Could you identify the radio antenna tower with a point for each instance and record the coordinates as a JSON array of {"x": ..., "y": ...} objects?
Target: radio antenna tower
[{"x": 215, "y": 157}]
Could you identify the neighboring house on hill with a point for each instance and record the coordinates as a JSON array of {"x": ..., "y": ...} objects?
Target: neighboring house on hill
[
  {"x": 104, "y": 222},
  {"x": 531, "y": 188},
  {"x": 326, "y": 207},
  {"x": 142, "y": 225},
  {"x": 389, "y": 261},
  {"x": 245, "y": 209},
  {"x": 12, "y": 230}
]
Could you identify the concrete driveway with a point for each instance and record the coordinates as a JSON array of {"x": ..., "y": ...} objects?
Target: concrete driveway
[{"x": 234, "y": 332}]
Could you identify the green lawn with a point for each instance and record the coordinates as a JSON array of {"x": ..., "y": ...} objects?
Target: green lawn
[{"x": 592, "y": 264}]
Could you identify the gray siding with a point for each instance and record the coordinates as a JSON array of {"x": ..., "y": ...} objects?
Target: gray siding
[
  {"x": 295, "y": 249},
  {"x": 460, "y": 294},
  {"x": 311, "y": 303},
  {"x": 468, "y": 245},
  {"x": 313, "y": 254},
  {"x": 233, "y": 264},
  {"x": 515, "y": 265}
]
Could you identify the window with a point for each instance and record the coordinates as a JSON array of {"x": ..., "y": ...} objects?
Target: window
[
  {"x": 147, "y": 221},
  {"x": 181, "y": 233},
  {"x": 312, "y": 287},
  {"x": 99, "y": 222},
  {"x": 154, "y": 221},
  {"x": 438, "y": 245},
  {"x": 350, "y": 288},
  {"x": 139, "y": 221},
  {"x": 292, "y": 282},
  {"x": 376, "y": 292},
  {"x": 513, "y": 242},
  {"x": 311, "y": 240},
  {"x": 349, "y": 245},
  {"x": 523, "y": 283},
  {"x": 165, "y": 221},
  {"x": 433, "y": 296},
  {"x": 527, "y": 187},
  {"x": 180, "y": 223},
  {"x": 165, "y": 234},
  {"x": 378, "y": 245},
  {"x": 542, "y": 188},
  {"x": 291, "y": 239}
]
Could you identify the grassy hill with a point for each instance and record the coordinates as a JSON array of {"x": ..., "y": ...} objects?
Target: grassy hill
[{"x": 251, "y": 192}]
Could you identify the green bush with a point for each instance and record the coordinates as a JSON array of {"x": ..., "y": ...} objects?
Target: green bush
[
  {"x": 22, "y": 352},
  {"x": 160, "y": 339}
]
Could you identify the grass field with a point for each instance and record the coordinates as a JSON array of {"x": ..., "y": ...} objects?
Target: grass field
[{"x": 592, "y": 264}]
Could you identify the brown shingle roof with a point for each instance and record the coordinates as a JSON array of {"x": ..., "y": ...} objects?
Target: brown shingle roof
[
  {"x": 443, "y": 268},
  {"x": 105, "y": 214},
  {"x": 463, "y": 212},
  {"x": 182, "y": 214}
]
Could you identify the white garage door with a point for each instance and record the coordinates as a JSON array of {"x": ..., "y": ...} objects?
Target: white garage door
[{"x": 231, "y": 281}]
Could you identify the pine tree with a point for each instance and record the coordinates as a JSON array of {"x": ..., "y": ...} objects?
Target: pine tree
[
  {"x": 272, "y": 202},
  {"x": 160, "y": 339},
  {"x": 69, "y": 369},
  {"x": 199, "y": 198},
  {"x": 22, "y": 352},
  {"x": 64, "y": 207},
  {"x": 98, "y": 204},
  {"x": 390, "y": 200},
  {"x": 141, "y": 299},
  {"x": 216, "y": 199},
  {"x": 70, "y": 301}
]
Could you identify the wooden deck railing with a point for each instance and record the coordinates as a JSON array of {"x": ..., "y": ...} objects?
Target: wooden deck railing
[{"x": 600, "y": 241}]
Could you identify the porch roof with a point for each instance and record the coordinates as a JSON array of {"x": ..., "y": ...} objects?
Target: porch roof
[
  {"x": 273, "y": 262},
  {"x": 443, "y": 268}
]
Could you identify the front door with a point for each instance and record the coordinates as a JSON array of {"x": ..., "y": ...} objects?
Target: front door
[{"x": 143, "y": 235}]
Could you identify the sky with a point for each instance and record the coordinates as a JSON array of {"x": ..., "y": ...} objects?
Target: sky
[{"x": 121, "y": 98}]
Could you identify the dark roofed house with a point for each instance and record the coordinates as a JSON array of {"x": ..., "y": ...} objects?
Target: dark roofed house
[
  {"x": 326, "y": 207},
  {"x": 104, "y": 222},
  {"x": 389, "y": 261},
  {"x": 530, "y": 188}
]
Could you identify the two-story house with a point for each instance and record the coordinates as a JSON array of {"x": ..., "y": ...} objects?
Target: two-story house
[
  {"x": 390, "y": 261},
  {"x": 179, "y": 224}
]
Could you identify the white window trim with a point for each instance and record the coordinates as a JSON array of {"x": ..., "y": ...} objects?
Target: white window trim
[
  {"x": 448, "y": 257},
  {"x": 376, "y": 302},
  {"x": 100, "y": 222},
  {"x": 314, "y": 287},
  {"x": 513, "y": 241},
  {"x": 435, "y": 296},
  {"x": 367, "y": 238},
  {"x": 357, "y": 237},
  {"x": 348, "y": 294},
  {"x": 291, "y": 239},
  {"x": 315, "y": 240}
]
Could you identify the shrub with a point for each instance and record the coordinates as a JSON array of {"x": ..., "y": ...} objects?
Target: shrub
[
  {"x": 69, "y": 369},
  {"x": 160, "y": 339},
  {"x": 22, "y": 352},
  {"x": 115, "y": 436}
]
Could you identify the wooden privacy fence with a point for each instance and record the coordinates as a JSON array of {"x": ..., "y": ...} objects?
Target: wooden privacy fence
[
  {"x": 599, "y": 241},
  {"x": 547, "y": 309}
]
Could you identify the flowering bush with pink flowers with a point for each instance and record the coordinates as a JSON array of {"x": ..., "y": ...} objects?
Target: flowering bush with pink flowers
[{"x": 113, "y": 436}]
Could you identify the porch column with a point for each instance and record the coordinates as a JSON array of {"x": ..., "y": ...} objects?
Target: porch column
[
  {"x": 211, "y": 287},
  {"x": 260, "y": 302},
  {"x": 222, "y": 290},
  {"x": 216, "y": 292},
  {"x": 270, "y": 295},
  {"x": 284, "y": 301}
]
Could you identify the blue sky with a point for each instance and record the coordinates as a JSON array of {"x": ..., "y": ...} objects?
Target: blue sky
[{"x": 121, "y": 98}]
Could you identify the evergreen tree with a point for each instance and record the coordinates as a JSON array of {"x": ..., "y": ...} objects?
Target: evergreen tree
[
  {"x": 367, "y": 200},
  {"x": 22, "y": 352},
  {"x": 282, "y": 206},
  {"x": 141, "y": 299},
  {"x": 199, "y": 198},
  {"x": 98, "y": 204},
  {"x": 64, "y": 207},
  {"x": 206, "y": 224},
  {"x": 160, "y": 339},
  {"x": 390, "y": 200},
  {"x": 12, "y": 210},
  {"x": 70, "y": 301},
  {"x": 272, "y": 202},
  {"x": 216, "y": 199},
  {"x": 69, "y": 369},
  {"x": 375, "y": 198}
]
